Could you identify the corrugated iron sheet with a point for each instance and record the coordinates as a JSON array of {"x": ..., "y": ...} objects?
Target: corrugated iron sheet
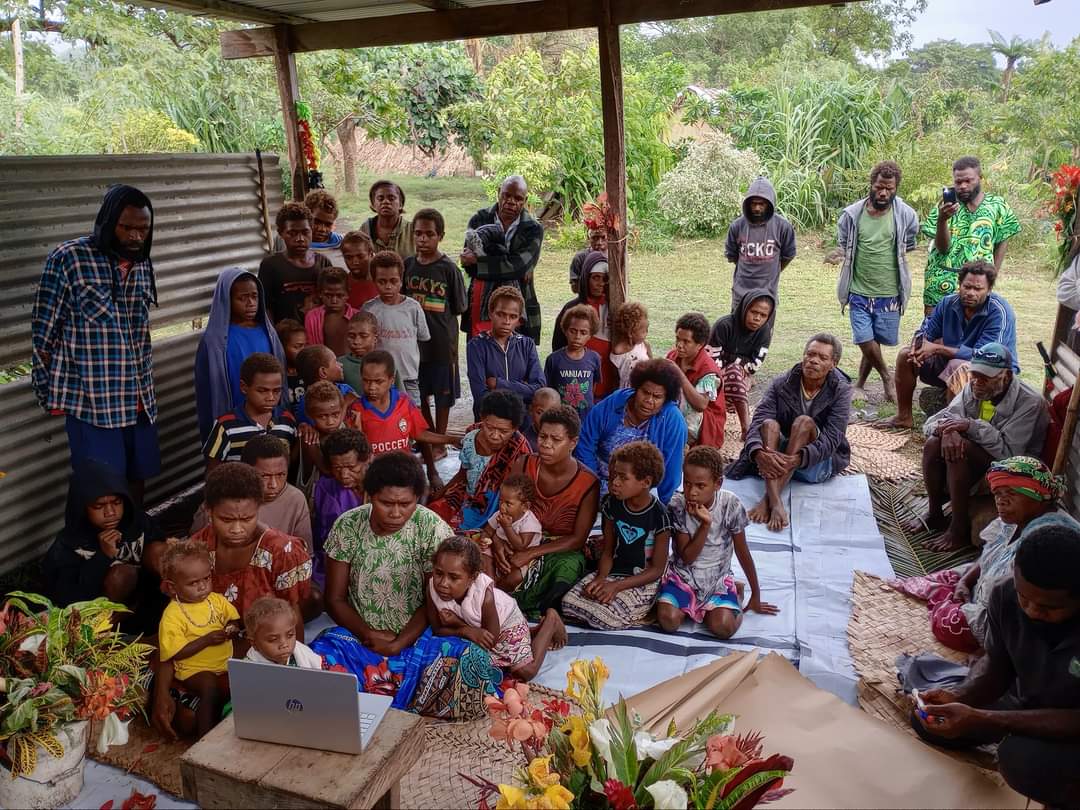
[
  {"x": 207, "y": 210},
  {"x": 208, "y": 217},
  {"x": 34, "y": 453}
]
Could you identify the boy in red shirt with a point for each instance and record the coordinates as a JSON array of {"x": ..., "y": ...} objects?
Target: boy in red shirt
[{"x": 389, "y": 418}]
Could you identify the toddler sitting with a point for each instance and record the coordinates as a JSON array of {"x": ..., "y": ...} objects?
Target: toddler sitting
[
  {"x": 270, "y": 625},
  {"x": 196, "y": 629},
  {"x": 463, "y": 601},
  {"x": 513, "y": 527}
]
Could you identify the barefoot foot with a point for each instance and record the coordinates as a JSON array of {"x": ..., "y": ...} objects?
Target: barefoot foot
[
  {"x": 897, "y": 421},
  {"x": 933, "y": 522},
  {"x": 890, "y": 389},
  {"x": 760, "y": 513},
  {"x": 947, "y": 542},
  {"x": 779, "y": 519},
  {"x": 559, "y": 637}
]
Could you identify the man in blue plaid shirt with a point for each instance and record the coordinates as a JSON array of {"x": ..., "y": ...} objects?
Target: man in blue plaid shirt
[{"x": 91, "y": 339}]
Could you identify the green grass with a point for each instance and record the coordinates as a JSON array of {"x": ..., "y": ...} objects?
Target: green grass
[{"x": 695, "y": 276}]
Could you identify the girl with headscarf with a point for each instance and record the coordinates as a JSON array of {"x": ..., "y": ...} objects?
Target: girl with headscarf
[{"x": 1026, "y": 494}]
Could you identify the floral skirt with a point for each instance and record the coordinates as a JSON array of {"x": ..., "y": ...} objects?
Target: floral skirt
[
  {"x": 438, "y": 676},
  {"x": 736, "y": 384},
  {"x": 546, "y": 581},
  {"x": 948, "y": 622},
  {"x": 628, "y": 609},
  {"x": 514, "y": 646}
]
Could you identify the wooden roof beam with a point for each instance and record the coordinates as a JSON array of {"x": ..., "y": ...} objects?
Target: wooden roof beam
[
  {"x": 230, "y": 11},
  {"x": 483, "y": 21},
  {"x": 439, "y": 5}
]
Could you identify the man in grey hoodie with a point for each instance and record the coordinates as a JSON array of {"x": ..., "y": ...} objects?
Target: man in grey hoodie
[
  {"x": 760, "y": 243},
  {"x": 876, "y": 234}
]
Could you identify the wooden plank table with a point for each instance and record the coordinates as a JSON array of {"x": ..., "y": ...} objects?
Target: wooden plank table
[{"x": 222, "y": 770}]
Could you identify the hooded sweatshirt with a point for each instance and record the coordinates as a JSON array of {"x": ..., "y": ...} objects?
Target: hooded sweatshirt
[
  {"x": 217, "y": 375},
  {"x": 759, "y": 249},
  {"x": 732, "y": 342},
  {"x": 91, "y": 320},
  {"x": 517, "y": 369},
  {"x": 74, "y": 568}
]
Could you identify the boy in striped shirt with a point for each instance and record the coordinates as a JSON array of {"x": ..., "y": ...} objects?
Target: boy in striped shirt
[{"x": 261, "y": 379}]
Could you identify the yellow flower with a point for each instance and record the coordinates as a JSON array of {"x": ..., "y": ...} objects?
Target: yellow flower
[
  {"x": 600, "y": 670},
  {"x": 577, "y": 678},
  {"x": 579, "y": 740},
  {"x": 511, "y": 798},
  {"x": 555, "y": 797},
  {"x": 540, "y": 773}
]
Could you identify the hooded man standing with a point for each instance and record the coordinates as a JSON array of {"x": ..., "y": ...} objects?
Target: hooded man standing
[
  {"x": 760, "y": 243},
  {"x": 90, "y": 328}
]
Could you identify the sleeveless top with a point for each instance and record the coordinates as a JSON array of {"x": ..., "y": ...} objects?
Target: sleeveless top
[{"x": 558, "y": 512}]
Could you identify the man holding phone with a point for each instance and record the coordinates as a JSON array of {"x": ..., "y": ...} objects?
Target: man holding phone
[
  {"x": 967, "y": 225},
  {"x": 1024, "y": 693}
]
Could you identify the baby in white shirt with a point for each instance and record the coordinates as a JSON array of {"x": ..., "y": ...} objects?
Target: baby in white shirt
[{"x": 514, "y": 527}]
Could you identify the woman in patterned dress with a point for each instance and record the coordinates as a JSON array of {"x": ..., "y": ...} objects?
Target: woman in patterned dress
[{"x": 377, "y": 556}]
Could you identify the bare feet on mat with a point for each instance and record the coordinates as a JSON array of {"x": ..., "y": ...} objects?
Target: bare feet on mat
[
  {"x": 927, "y": 523},
  {"x": 947, "y": 542},
  {"x": 894, "y": 422},
  {"x": 559, "y": 637},
  {"x": 778, "y": 520},
  {"x": 760, "y": 513}
]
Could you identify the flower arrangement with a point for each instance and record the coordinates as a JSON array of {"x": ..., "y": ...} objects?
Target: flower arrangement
[
  {"x": 64, "y": 665},
  {"x": 1066, "y": 186},
  {"x": 604, "y": 759},
  {"x": 600, "y": 216}
]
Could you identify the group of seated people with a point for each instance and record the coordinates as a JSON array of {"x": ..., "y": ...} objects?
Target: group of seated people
[{"x": 589, "y": 488}]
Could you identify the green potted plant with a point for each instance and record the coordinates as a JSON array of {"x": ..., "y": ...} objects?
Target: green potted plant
[{"x": 61, "y": 670}]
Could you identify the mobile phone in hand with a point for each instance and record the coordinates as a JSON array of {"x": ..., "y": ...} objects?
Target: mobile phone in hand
[{"x": 920, "y": 704}]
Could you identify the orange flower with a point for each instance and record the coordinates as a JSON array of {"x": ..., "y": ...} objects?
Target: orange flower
[{"x": 722, "y": 752}]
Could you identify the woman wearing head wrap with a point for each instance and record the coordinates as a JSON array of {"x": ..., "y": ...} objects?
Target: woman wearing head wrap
[{"x": 1026, "y": 494}]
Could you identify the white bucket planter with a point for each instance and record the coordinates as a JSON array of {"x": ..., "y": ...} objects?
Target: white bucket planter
[{"x": 54, "y": 782}]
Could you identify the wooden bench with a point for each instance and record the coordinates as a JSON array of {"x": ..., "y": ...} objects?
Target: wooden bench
[{"x": 222, "y": 770}]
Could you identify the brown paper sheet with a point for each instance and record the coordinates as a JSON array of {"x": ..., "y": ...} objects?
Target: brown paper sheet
[{"x": 843, "y": 757}]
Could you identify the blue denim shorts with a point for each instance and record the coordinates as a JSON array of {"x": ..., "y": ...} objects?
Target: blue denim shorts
[
  {"x": 876, "y": 319},
  {"x": 816, "y": 474}
]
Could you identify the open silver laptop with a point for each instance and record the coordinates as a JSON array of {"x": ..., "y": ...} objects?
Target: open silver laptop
[{"x": 310, "y": 708}]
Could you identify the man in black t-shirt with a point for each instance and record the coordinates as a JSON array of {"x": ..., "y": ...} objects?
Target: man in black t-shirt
[
  {"x": 289, "y": 277},
  {"x": 1024, "y": 693}
]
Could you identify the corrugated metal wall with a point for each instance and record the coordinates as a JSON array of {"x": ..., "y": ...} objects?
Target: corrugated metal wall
[{"x": 208, "y": 216}]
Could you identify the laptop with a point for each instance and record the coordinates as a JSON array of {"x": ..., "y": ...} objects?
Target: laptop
[{"x": 309, "y": 708}]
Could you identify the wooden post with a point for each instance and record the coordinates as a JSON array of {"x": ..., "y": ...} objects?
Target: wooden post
[
  {"x": 288, "y": 91},
  {"x": 20, "y": 76},
  {"x": 611, "y": 95}
]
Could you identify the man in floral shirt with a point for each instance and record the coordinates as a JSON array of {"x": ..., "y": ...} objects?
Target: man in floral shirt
[{"x": 974, "y": 228}]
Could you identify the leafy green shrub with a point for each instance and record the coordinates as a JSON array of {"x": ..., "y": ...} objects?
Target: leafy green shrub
[
  {"x": 140, "y": 131},
  {"x": 537, "y": 168},
  {"x": 703, "y": 193}
]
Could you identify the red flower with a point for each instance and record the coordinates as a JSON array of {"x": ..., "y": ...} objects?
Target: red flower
[
  {"x": 557, "y": 708},
  {"x": 140, "y": 801},
  {"x": 619, "y": 795}
]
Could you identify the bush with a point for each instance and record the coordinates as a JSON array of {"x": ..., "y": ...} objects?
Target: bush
[
  {"x": 537, "y": 168},
  {"x": 142, "y": 131},
  {"x": 703, "y": 193}
]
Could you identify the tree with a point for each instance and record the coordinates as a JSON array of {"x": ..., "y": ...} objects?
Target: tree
[
  {"x": 1013, "y": 50},
  {"x": 953, "y": 64}
]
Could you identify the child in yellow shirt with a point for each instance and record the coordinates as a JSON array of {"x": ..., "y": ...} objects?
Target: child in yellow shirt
[{"x": 196, "y": 629}]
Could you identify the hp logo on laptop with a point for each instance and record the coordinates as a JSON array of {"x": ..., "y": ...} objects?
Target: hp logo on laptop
[{"x": 294, "y": 705}]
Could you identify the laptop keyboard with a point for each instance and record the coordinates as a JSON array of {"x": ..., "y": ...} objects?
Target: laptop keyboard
[{"x": 366, "y": 722}]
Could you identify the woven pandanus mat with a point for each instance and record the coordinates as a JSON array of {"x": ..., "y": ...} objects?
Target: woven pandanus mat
[
  {"x": 463, "y": 748},
  {"x": 888, "y": 455},
  {"x": 147, "y": 754},
  {"x": 884, "y": 625}
]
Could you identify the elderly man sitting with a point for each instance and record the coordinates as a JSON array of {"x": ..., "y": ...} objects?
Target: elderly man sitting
[
  {"x": 996, "y": 416},
  {"x": 799, "y": 429},
  {"x": 1025, "y": 692},
  {"x": 959, "y": 325}
]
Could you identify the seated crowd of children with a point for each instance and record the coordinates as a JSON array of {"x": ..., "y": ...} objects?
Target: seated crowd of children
[{"x": 329, "y": 358}]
